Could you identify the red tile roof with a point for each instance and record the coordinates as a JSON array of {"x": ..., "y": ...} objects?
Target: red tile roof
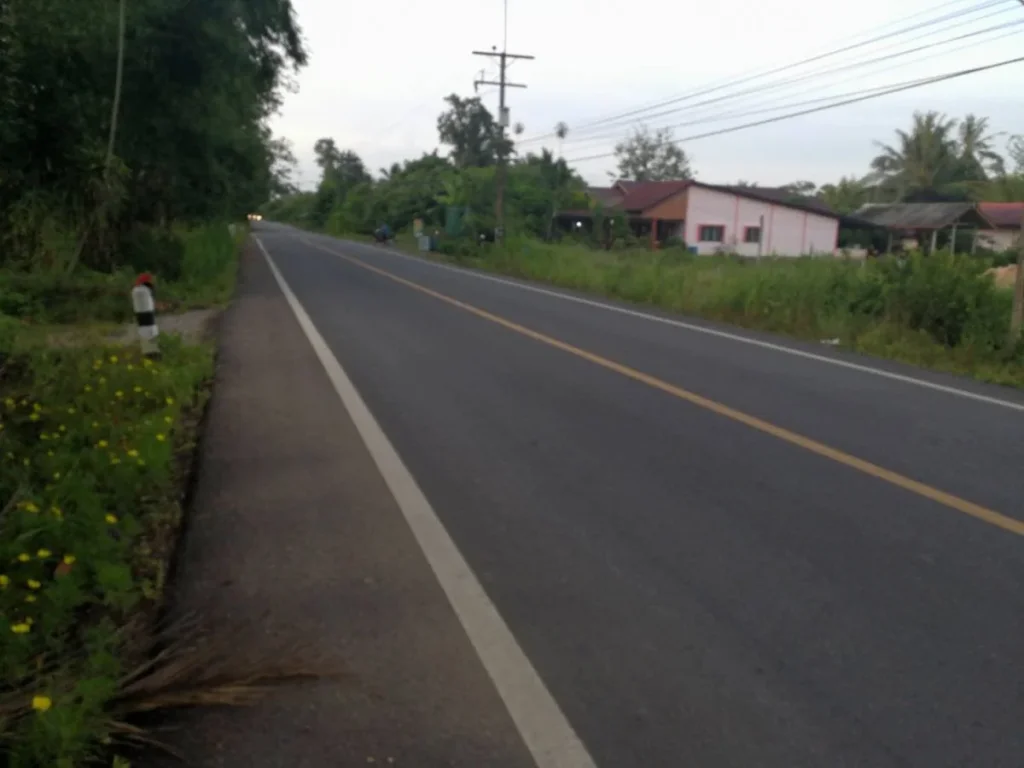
[
  {"x": 642, "y": 195},
  {"x": 1002, "y": 215}
]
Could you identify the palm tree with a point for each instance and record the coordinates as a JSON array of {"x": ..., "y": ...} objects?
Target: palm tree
[
  {"x": 977, "y": 158},
  {"x": 561, "y": 131},
  {"x": 923, "y": 159}
]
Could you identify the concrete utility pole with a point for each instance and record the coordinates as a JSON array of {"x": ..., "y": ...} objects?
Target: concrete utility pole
[
  {"x": 1017, "y": 318},
  {"x": 503, "y": 121}
]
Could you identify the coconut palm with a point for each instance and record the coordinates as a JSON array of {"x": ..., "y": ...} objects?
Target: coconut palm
[
  {"x": 922, "y": 160},
  {"x": 561, "y": 131},
  {"x": 978, "y": 159}
]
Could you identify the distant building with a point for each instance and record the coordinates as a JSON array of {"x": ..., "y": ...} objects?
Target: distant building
[
  {"x": 749, "y": 221},
  {"x": 1004, "y": 225}
]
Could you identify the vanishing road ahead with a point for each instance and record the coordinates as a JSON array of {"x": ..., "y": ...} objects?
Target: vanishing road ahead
[{"x": 714, "y": 548}]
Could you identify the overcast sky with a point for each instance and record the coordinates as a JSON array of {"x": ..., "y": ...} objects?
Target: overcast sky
[{"x": 379, "y": 70}]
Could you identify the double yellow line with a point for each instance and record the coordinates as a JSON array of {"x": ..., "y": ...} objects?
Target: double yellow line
[{"x": 989, "y": 516}]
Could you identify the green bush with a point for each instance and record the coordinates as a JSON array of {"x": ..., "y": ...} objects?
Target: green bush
[
  {"x": 938, "y": 310},
  {"x": 57, "y": 297},
  {"x": 88, "y": 489}
]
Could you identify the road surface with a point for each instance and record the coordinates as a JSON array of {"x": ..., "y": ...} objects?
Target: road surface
[{"x": 711, "y": 552}]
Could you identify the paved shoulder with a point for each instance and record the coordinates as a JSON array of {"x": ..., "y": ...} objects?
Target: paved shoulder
[{"x": 296, "y": 536}]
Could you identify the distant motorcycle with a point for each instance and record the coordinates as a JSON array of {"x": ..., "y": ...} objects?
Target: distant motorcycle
[{"x": 383, "y": 235}]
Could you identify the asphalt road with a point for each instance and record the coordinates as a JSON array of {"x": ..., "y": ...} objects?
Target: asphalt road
[{"x": 693, "y": 589}]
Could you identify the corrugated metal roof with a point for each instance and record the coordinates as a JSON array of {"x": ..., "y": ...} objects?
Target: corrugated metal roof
[
  {"x": 917, "y": 215},
  {"x": 1002, "y": 215}
]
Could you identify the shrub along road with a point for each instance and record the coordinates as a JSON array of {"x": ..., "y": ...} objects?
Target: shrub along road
[{"x": 712, "y": 552}]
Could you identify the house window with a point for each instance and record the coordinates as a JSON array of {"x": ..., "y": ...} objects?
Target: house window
[
  {"x": 711, "y": 234},
  {"x": 752, "y": 235}
]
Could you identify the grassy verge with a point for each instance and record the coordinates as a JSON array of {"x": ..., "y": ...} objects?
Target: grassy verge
[
  {"x": 939, "y": 312},
  {"x": 91, "y": 441},
  {"x": 95, "y": 442},
  {"x": 193, "y": 268}
]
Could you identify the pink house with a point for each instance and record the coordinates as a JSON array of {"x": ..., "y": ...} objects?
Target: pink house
[{"x": 749, "y": 221}]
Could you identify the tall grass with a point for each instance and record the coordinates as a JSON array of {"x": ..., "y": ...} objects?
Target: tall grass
[
  {"x": 939, "y": 311},
  {"x": 193, "y": 267}
]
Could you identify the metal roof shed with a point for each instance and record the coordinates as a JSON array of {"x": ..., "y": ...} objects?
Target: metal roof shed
[{"x": 929, "y": 217}]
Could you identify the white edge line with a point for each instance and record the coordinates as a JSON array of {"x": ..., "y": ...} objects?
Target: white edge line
[
  {"x": 540, "y": 721},
  {"x": 712, "y": 332}
]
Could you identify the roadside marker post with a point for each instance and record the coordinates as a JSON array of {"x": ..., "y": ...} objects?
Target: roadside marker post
[{"x": 145, "y": 314}]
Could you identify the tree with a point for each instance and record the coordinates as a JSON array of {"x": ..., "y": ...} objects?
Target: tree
[
  {"x": 923, "y": 162},
  {"x": 845, "y": 196},
  {"x": 1015, "y": 148},
  {"x": 647, "y": 156},
  {"x": 475, "y": 138},
  {"x": 801, "y": 188},
  {"x": 561, "y": 131},
  {"x": 977, "y": 158}
]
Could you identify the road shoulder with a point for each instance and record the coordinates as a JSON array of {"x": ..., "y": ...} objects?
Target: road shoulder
[{"x": 295, "y": 535}]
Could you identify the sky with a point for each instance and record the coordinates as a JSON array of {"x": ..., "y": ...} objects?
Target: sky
[{"x": 379, "y": 72}]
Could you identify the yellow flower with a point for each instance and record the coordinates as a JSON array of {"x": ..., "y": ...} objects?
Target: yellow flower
[
  {"x": 97, "y": 363},
  {"x": 161, "y": 437},
  {"x": 95, "y": 424},
  {"x": 113, "y": 358},
  {"x": 24, "y": 557},
  {"x": 41, "y": 703},
  {"x": 138, "y": 389},
  {"x": 168, "y": 419},
  {"x": 57, "y": 513},
  {"x": 43, "y": 553},
  {"x": 69, "y": 559},
  {"x": 63, "y": 428},
  {"x": 71, "y": 411},
  {"x": 21, "y": 628},
  {"x": 34, "y": 417},
  {"x": 30, "y": 598},
  {"x": 9, "y": 402},
  {"x": 114, "y": 460},
  {"x": 33, "y": 584},
  {"x": 119, "y": 393},
  {"x": 133, "y": 453},
  {"x": 4, "y": 581},
  {"x": 28, "y": 506},
  {"x": 49, "y": 453},
  {"x": 56, "y": 475},
  {"x": 102, "y": 444},
  {"x": 147, "y": 363},
  {"x": 25, "y": 462},
  {"x": 102, "y": 379},
  {"x": 170, "y": 401},
  {"x": 88, "y": 388},
  {"x": 130, "y": 367},
  {"x": 111, "y": 519},
  {"x": 141, "y": 462},
  {"x": 37, "y": 407},
  {"x": 44, "y": 436}
]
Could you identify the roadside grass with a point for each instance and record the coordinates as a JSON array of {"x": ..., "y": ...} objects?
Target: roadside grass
[
  {"x": 939, "y": 312},
  {"x": 91, "y": 443},
  {"x": 96, "y": 445},
  {"x": 193, "y": 267}
]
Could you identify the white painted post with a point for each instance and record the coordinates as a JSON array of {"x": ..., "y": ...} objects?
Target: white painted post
[{"x": 145, "y": 314}]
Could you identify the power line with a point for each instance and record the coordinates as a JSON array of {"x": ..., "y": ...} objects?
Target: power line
[
  {"x": 1012, "y": 26},
  {"x": 818, "y": 57},
  {"x": 845, "y": 102},
  {"x": 833, "y": 70}
]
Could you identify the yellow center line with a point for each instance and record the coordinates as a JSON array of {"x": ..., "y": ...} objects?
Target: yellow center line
[{"x": 921, "y": 489}]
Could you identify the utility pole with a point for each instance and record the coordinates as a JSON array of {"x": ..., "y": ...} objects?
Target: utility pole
[
  {"x": 503, "y": 120},
  {"x": 1017, "y": 318}
]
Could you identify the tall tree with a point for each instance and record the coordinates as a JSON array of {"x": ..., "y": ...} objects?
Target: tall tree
[
  {"x": 922, "y": 162},
  {"x": 977, "y": 158},
  {"x": 846, "y": 195},
  {"x": 475, "y": 137},
  {"x": 647, "y": 156},
  {"x": 1015, "y": 149}
]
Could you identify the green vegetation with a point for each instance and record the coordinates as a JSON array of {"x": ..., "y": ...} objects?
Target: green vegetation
[
  {"x": 91, "y": 441},
  {"x": 132, "y": 134},
  {"x": 938, "y": 311}
]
